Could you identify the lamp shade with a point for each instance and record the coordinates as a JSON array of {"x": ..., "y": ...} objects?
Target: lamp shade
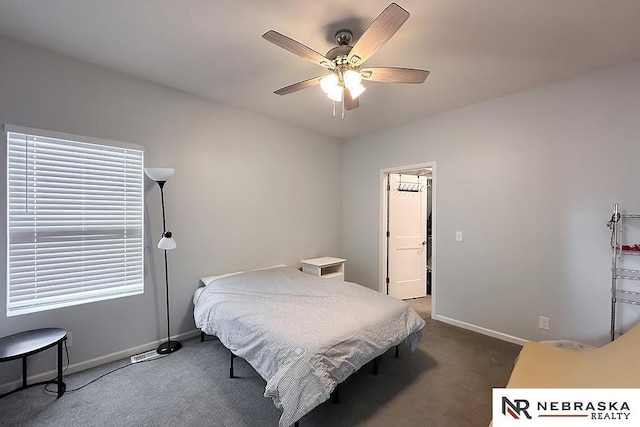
[
  {"x": 329, "y": 83},
  {"x": 336, "y": 94},
  {"x": 159, "y": 174},
  {"x": 356, "y": 91},
  {"x": 352, "y": 79},
  {"x": 167, "y": 242}
]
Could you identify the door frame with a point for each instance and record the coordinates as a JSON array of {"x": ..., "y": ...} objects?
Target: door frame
[{"x": 382, "y": 229}]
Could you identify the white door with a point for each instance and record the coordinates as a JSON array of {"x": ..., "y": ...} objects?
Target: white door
[{"x": 407, "y": 236}]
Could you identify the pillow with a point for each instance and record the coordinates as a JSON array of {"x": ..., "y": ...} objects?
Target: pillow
[
  {"x": 267, "y": 268},
  {"x": 207, "y": 280}
]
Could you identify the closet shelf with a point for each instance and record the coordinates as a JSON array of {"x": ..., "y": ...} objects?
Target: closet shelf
[
  {"x": 628, "y": 301},
  {"x": 624, "y": 292},
  {"x": 619, "y": 276},
  {"x": 635, "y": 253},
  {"x": 617, "y": 261},
  {"x": 625, "y": 273}
]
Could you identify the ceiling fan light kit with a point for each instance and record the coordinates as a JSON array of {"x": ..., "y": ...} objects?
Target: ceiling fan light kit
[
  {"x": 344, "y": 83},
  {"x": 331, "y": 86},
  {"x": 335, "y": 84}
]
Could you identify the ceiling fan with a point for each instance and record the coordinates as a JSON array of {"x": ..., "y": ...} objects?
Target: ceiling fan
[{"x": 344, "y": 82}]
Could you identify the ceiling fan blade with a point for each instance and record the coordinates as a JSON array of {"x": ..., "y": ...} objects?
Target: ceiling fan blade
[
  {"x": 297, "y": 48},
  {"x": 394, "y": 75},
  {"x": 349, "y": 102},
  {"x": 299, "y": 86},
  {"x": 378, "y": 33}
]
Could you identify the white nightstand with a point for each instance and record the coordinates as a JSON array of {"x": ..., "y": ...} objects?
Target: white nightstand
[{"x": 325, "y": 267}]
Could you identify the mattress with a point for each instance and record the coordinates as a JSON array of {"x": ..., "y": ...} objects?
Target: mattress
[{"x": 303, "y": 334}]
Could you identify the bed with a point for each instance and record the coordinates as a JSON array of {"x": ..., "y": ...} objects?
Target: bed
[
  {"x": 614, "y": 365},
  {"x": 303, "y": 334}
]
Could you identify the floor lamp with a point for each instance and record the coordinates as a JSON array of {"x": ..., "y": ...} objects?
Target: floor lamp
[{"x": 160, "y": 176}]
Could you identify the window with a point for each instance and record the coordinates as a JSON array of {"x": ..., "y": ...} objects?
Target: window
[{"x": 74, "y": 221}]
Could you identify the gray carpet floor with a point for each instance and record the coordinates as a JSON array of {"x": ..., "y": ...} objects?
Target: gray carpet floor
[
  {"x": 421, "y": 305},
  {"x": 446, "y": 382}
]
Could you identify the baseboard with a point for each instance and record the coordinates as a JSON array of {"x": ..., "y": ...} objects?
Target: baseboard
[
  {"x": 481, "y": 330},
  {"x": 92, "y": 363}
]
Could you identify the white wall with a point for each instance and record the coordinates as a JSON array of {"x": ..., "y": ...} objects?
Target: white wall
[
  {"x": 248, "y": 191},
  {"x": 530, "y": 179}
]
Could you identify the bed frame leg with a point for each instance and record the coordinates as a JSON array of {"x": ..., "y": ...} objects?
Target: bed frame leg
[
  {"x": 233, "y": 356},
  {"x": 375, "y": 365},
  {"x": 335, "y": 396},
  {"x": 201, "y": 336},
  {"x": 397, "y": 351}
]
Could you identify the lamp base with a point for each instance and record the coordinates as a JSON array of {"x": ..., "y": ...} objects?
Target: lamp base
[{"x": 169, "y": 347}]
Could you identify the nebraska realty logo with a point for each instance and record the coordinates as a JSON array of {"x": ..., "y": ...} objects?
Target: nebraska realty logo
[{"x": 566, "y": 407}]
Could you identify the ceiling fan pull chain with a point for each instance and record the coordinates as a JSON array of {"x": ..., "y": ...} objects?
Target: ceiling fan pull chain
[
  {"x": 343, "y": 95},
  {"x": 334, "y": 108}
]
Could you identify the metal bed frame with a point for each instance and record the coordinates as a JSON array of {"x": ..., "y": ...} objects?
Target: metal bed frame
[{"x": 335, "y": 396}]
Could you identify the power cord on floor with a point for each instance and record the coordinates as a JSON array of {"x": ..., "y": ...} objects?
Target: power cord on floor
[{"x": 55, "y": 380}]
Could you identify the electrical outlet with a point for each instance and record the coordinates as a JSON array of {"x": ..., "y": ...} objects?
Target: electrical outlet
[
  {"x": 543, "y": 323},
  {"x": 69, "y": 339},
  {"x": 458, "y": 236}
]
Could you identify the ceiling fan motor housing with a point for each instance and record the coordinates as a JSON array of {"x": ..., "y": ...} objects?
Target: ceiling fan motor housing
[{"x": 338, "y": 55}]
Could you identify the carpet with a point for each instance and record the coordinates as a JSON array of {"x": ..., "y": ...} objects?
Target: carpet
[
  {"x": 446, "y": 382},
  {"x": 422, "y": 306}
]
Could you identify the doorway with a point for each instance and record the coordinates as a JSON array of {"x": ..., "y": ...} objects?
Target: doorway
[{"x": 407, "y": 233}]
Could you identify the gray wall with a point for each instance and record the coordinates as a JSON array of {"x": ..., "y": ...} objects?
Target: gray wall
[
  {"x": 530, "y": 179},
  {"x": 248, "y": 191}
]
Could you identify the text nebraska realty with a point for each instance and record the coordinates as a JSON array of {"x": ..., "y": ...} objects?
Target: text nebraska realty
[{"x": 599, "y": 410}]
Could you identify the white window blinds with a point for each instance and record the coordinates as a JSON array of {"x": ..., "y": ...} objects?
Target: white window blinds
[{"x": 75, "y": 222}]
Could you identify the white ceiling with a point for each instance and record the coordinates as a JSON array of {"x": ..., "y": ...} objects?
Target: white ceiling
[{"x": 475, "y": 50}]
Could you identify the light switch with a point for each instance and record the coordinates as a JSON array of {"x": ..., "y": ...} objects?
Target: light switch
[{"x": 458, "y": 236}]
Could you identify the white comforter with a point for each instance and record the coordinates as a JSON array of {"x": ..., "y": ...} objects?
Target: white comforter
[{"x": 302, "y": 334}]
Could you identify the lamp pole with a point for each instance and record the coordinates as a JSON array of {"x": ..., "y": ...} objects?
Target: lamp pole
[
  {"x": 160, "y": 176},
  {"x": 168, "y": 347}
]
